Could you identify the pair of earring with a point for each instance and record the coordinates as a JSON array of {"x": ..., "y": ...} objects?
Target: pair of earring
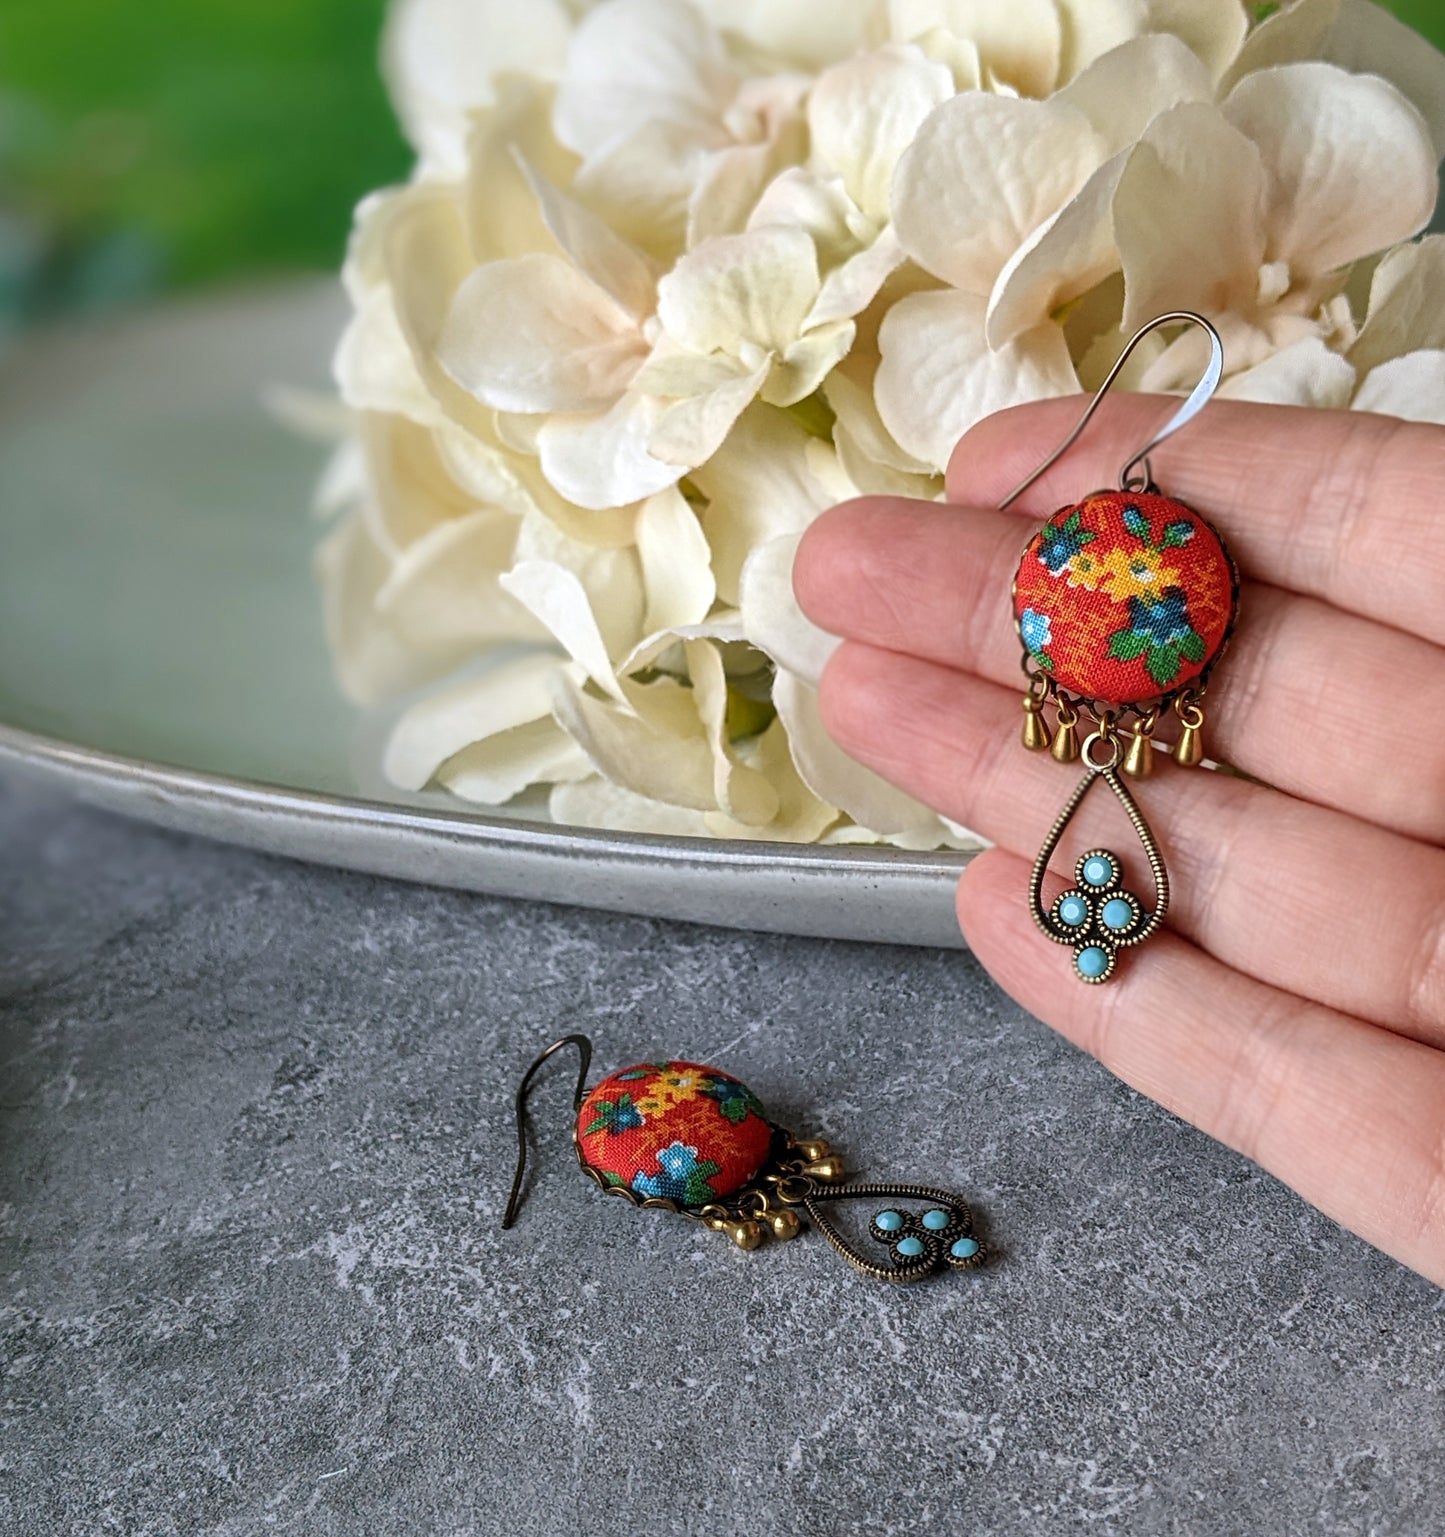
[{"x": 1124, "y": 603}]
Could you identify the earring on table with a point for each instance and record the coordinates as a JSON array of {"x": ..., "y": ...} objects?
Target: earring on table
[
  {"x": 1124, "y": 603},
  {"x": 694, "y": 1141}
]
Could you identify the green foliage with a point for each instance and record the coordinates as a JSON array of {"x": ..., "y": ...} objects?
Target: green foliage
[{"x": 207, "y": 139}]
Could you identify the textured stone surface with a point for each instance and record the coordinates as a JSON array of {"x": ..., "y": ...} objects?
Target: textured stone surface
[{"x": 254, "y": 1144}]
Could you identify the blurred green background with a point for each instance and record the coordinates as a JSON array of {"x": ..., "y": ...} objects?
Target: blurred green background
[{"x": 177, "y": 142}]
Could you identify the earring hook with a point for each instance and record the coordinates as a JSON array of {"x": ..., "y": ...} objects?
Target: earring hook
[
  {"x": 1202, "y": 394},
  {"x": 584, "y": 1053}
]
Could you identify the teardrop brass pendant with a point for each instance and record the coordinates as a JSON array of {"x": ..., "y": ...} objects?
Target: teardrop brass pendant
[{"x": 1097, "y": 916}]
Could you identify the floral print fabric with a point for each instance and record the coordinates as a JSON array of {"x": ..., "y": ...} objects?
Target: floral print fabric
[
  {"x": 675, "y": 1131},
  {"x": 1124, "y": 597}
]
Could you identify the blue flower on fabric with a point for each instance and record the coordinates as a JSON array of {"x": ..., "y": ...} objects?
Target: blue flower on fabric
[
  {"x": 734, "y": 1099},
  {"x": 1162, "y": 621},
  {"x": 1060, "y": 542},
  {"x": 1035, "y": 629},
  {"x": 681, "y": 1177},
  {"x": 614, "y": 1116}
]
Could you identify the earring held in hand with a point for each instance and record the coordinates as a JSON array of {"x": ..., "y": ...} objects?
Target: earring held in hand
[
  {"x": 694, "y": 1141},
  {"x": 1124, "y": 603}
]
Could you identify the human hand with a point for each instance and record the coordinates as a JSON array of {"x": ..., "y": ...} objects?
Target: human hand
[{"x": 1295, "y": 1006}]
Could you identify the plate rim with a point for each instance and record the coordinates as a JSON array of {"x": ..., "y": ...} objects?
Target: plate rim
[{"x": 61, "y": 759}]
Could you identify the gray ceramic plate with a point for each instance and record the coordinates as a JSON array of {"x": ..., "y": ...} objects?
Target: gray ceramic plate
[{"x": 161, "y": 652}]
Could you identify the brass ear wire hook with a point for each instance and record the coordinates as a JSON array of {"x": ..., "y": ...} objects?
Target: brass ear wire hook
[
  {"x": 584, "y": 1053},
  {"x": 1202, "y": 394}
]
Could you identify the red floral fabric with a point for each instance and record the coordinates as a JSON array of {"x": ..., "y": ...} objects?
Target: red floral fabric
[
  {"x": 674, "y": 1130},
  {"x": 1124, "y": 597}
]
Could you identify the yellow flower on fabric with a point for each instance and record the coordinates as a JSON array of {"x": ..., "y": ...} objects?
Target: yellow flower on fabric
[
  {"x": 1124, "y": 574},
  {"x": 671, "y": 1088}
]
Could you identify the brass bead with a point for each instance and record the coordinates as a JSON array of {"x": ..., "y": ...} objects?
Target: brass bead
[
  {"x": 785, "y": 1225},
  {"x": 1139, "y": 760},
  {"x": 746, "y": 1235},
  {"x": 1189, "y": 749},
  {"x": 812, "y": 1149},
  {"x": 1036, "y": 733},
  {"x": 1065, "y": 748},
  {"x": 827, "y": 1171}
]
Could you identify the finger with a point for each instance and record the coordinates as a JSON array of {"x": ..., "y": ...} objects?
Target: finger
[
  {"x": 1303, "y": 899},
  {"x": 1351, "y": 1117},
  {"x": 1343, "y": 505},
  {"x": 1295, "y": 704}
]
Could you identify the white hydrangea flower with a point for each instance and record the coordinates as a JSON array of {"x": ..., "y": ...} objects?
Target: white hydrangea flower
[{"x": 674, "y": 276}]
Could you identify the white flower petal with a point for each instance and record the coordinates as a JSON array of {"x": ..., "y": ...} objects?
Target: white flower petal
[
  {"x": 799, "y": 33},
  {"x": 1411, "y": 387},
  {"x": 851, "y": 288},
  {"x": 689, "y": 432},
  {"x": 939, "y": 376},
  {"x": 498, "y": 202},
  {"x": 849, "y": 392},
  {"x": 676, "y": 562},
  {"x": 533, "y": 334},
  {"x": 800, "y": 818},
  {"x": 443, "y": 596},
  {"x": 374, "y": 368},
  {"x": 864, "y": 113},
  {"x": 1188, "y": 217},
  {"x": 560, "y": 602},
  {"x": 1367, "y": 40},
  {"x": 658, "y": 752},
  {"x": 441, "y": 58},
  {"x": 1020, "y": 41},
  {"x": 408, "y": 488},
  {"x": 635, "y": 62},
  {"x": 818, "y": 205},
  {"x": 1307, "y": 373},
  {"x": 1350, "y": 162},
  {"x": 772, "y": 619},
  {"x": 1122, "y": 92},
  {"x": 492, "y": 772},
  {"x": 1214, "y": 29},
  {"x": 1092, "y": 28},
  {"x": 440, "y": 725},
  {"x": 641, "y": 184},
  {"x": 1407, "y": 305},
  {"x": 807, "y": 362},
  {"x": 835, "y": 778},
  {"x": 1061, "y": 260},
  {"x": 611, "y": 576},
  {"x": 743, "y": 793},
  {"x": 372, "y": 663},
  {"x": 727, "y": 188},
  {"x": 759, "y": 485},
  {"x": 603, "y": 461},
  {"x": 756, "y": 287},
  {"x": 984, "y": 172},
  {"x": 596, "y": 802},
  {"x": 612, "y": 263}
]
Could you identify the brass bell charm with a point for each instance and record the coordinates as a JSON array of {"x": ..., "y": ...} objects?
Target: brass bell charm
[
  {"x": 1139, "y": 759},
  {"x": 827, "y": 1171},
  {"x": 747, "y": 1234},
  {"x": 785, "y": 1224},
  {"x": 1066, "y": 739},
  {"x": 1036, "y": 733},
  {"x": 1189, "y": 749}
]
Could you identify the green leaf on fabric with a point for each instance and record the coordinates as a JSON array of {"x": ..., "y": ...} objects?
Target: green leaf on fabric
[
  {"x": 1126, "y": 646},
  {"x": 1191, "y": 646},
  {"x": 1163, "y": 664}
]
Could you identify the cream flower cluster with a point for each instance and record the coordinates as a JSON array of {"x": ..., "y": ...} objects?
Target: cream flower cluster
[{"x": 673, "y": 276}]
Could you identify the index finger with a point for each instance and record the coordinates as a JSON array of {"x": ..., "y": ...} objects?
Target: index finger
[{"x": 1342, "y": 505}]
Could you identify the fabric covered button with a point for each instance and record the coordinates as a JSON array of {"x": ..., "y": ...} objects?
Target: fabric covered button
[
  {"x": 1124, "y": 597},
  {"x": 674, "y": 1131}
]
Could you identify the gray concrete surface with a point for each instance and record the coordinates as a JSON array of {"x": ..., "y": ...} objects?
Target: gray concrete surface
[{"x": 254, "y": 1142}]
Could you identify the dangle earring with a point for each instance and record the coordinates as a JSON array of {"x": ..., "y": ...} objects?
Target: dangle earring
[
  {"x": 694, "y": 1141},
  {"x": 1124, "y": 603}
]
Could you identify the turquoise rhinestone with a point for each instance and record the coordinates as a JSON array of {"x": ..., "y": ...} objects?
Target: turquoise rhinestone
[
  {"x": 964, "y": 1248},
  {"x": 910, "y": 1248},
  {"x": 1117, "y": 914},
  {"x": 889, "y": 1221},
  {"x": 1098, "y": 870},
  {"x": 1092, "y": 961},
  {"x": 936, "y": 1220},
  {"x": 1073, "y": 911}
]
